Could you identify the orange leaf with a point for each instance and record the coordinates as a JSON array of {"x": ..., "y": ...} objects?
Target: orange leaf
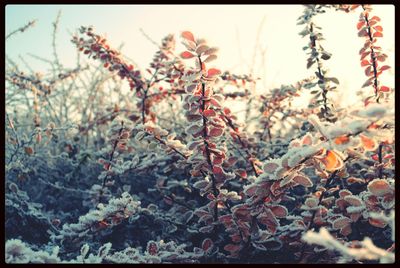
[
  {"x": 306, "y": 140},
  {"x": 376, "y": 18},
  {"x": 29, "y": 150},
  {"x": 377, "y": 34},
  {"x": 342, "y": 139},
  {"x": 377, "y": 223},
  {"x": 360, "y": 24},
  {"x": 186, "y": 55},
  {"x": 332, "y": 161},
  {"x": 213, "y": 72},
  {"x": 379, "y": 187},
  {"x": 368, "y": 143},
  {"x": 364, "y": 63},
  {"x": 188, "y": 35}
]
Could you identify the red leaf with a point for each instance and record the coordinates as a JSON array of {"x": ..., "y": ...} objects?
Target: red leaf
[
  {"x": 368, "y": 71},
  {"x": 375, "y": 157},
  {"x": 200, "y": 184},
  {"x": 302, "y": 180},
  {"x": 381, "y": 57},
  {"x": 279, "y": 211},
  {"x": 232, "y": 248},
  {"x": 216, "y": 132},
  {"x": 377, "y": 222},
  {"x": 213, "y": 72},
  {"x": 186, "y": 55},
  {"x": 306, "y": 140},
  {"x": 378, "y": 28},
  {"x": 360, "y": 24},
  {"x": 217, "y": 160},
  {"x": 206, "y": 229},
  {"x": 225, "y": 219},
  {"x": 362, "y": 33},
  {"x": 384, "y": 89},
  {"x": 242, "y": 173},
  {"x": 377, "y": 34},
  {"x": 209, "y": 113},
  {"x": 379, "y": 187},
  {"x": 215, "y": 102},
  {"x": 207, "y": 244},
  {"x": 342, "y": 139},
  {"x": 251, "y": 190},
  {"x": 217, "y": 170},
  {"x": 385, "y": 67},
  {"x": 352, "y": 200},
  {"x": 376, "y": 18},
  {"x": 364, "y": 63},
  {"x": 341, "y": 223},
  {"x": 268, "y": 219},
  {"x": 270, "y": 167},
  {"x": 363, "y": 55},
  {"x": 168, "y": 200},
  {"x": 29, "y": 150},
  {"x": 188, "y": 35},
  {"x": 368, "y": 82},
  {"x": 152, "y": 248}
]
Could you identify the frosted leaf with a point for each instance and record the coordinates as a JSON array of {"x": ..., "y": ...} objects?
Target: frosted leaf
[
  {"x": 357, "y": 126},
  {"x": 373, "y": 110},
  {"x": 84, "y": 250},
  {"x": 379, "y": 187},
  {"x": 354, "y": 209},
  {"x": 353, "y": 200},
  {"x": 103, "y": 250}
]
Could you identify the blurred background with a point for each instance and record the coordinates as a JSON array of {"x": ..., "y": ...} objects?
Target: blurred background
[{"x": 258, "y": 39}]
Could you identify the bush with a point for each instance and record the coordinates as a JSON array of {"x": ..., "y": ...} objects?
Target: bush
[{"x": 154, "y": 167}]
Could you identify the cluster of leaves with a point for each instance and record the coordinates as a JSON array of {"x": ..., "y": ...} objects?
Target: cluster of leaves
[
  {"x": 371, "y": 55},
  {"x": 316, "y": 54},
  {"x": 167, "y": 173}
]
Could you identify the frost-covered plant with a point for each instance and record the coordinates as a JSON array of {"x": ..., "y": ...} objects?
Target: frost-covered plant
[
  {"x": 371, "y": 54},
  {"x": 17, "y": 251},
  {"x": 157, "y": 252},
  {"x": 104, "y": 217},
  {"x": 205, "y": 124},
  {"x": 93, "y": 162},
  {"x": 317, "y": 54},
  {"x": 364, "y": 250}
]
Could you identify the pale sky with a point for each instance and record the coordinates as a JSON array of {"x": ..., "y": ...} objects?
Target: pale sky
[{"x": 232, "y": 28}]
